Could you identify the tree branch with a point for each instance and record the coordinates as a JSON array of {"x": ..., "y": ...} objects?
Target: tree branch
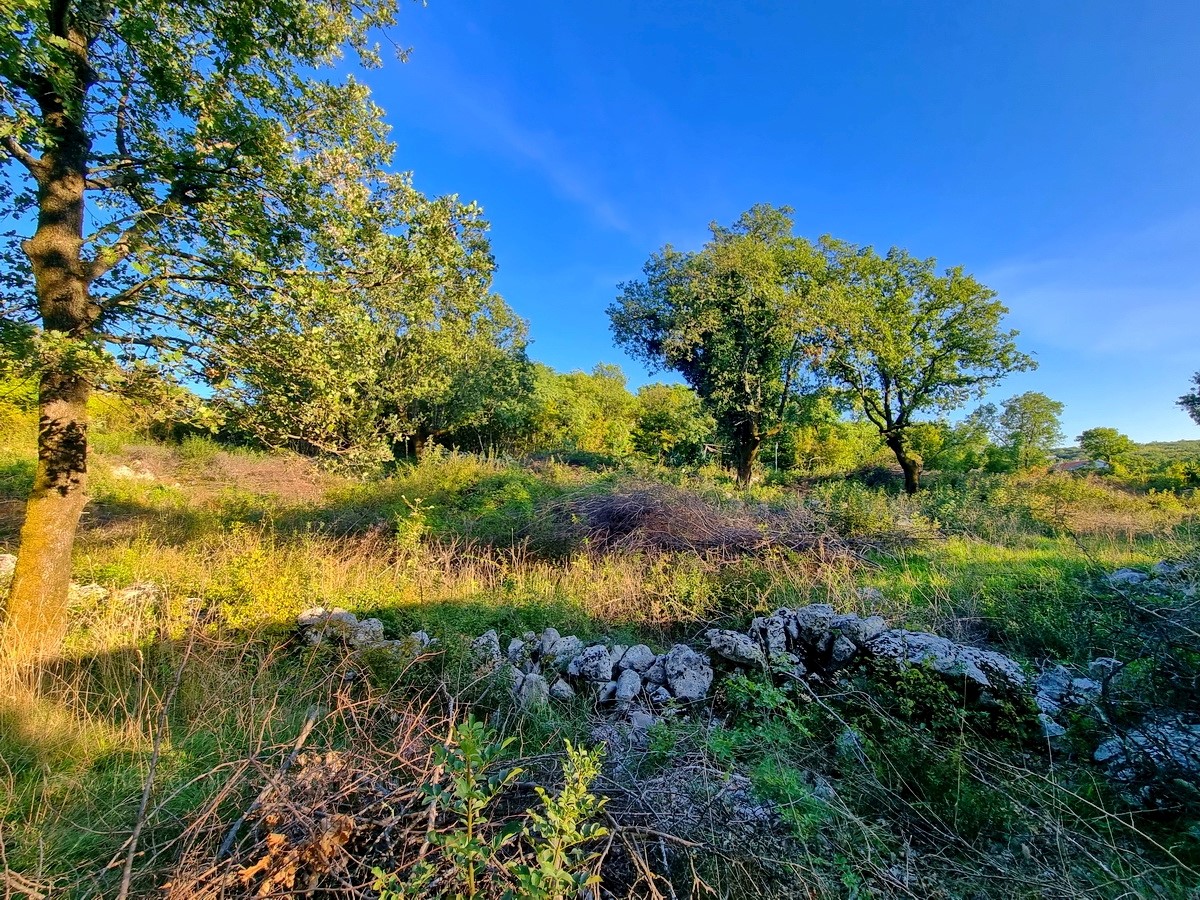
[{"x": 36, "y": 166}]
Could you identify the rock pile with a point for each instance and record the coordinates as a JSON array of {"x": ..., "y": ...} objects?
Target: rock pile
[
  {"x": 335, "y": 625},
  {"x": 634, "y": 681},
  {"x": 1179, "y": 576}
]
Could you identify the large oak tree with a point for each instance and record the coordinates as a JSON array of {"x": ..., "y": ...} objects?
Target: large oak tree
[
  {"x": 904, "y": 339},
  {"x": 179, "y": 171},
  {"x": 729, "y": 319}
]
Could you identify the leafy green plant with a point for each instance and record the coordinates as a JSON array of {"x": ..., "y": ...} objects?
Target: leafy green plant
[{"x": 560, "y": 831}]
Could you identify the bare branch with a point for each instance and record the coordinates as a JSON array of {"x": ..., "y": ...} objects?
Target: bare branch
[{"x": 36, "y": 166}]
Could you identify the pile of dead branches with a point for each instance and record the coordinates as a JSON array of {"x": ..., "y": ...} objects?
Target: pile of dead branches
[{"x": 650, "y": 517}]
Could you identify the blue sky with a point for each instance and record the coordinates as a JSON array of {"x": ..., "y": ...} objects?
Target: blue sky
[{"x": 1052, "y": 149}]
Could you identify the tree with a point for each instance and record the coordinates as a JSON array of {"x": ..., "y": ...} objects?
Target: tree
[
  {"x": 587, "y": 412},
  {"x": 670, "y": 424},
  {"x": 1190, "y": 402},
  {"x": 727, "y": 318},
  {"x": 902, "y": 339},
  {"x": 219, "y": 178},
  {"x": 1106, "y": 444},
  {"x": 1028, "y": 429}
]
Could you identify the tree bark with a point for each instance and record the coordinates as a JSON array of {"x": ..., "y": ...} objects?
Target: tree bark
[
  {"x": 747, "y": 442},
  {"x": 35, "y": 615},
  {"x": 909, "y": 464}
]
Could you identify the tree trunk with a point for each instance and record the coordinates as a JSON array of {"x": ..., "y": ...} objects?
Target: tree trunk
[
  {"x": 35, "y": 615},
  {"x": 747, "y": 442},
  {"x": 910, "y": 464}
]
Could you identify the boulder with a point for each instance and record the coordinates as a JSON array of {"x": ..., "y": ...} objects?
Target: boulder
[
  {"x": 562, "y": 651},
  {"x": 518, "y": 652},
  {"x": 985, "y": 669},
  {"x": 1153, "y": 750},
  {"x": 843, "y": 651},
  {"x": 547, "y": 641},
  {"x": 813, "y": 622},
  {"x": 689, "y": 674},
  {"x": 661, "y": 695},
  {"x": 8, "y": 565},
  {"x": 485, "y": 649},
  {"x": 1051, "y": 730},
  {"x": 737, "y": 648},
  {"x": 368, "y": 633},
  {"x": 1123, "y": 578},
  {"x": 640, "y": 720},
  {"x": 560, "y": 690},
  {"x": 593, "y": 664},
  {"x": 639, "y": 658},
  {"x": 772, "y": 633},
  {"x": 629, "y": 685},
  {"x": 320, "y": 624},
  {"x": 657, "y": 673},
  {"x": 607, "y": 692},
  {"x": 533, "y": 691},
  {"x": 859, "y": 630}
]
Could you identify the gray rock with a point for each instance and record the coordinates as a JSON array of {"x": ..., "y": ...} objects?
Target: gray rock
[
  {"x": 1153, "y": 750},
  {"x": 661, "y": 695},
  {"x": 1085, "y": 690},
  {"x": 983, "y": 668},
  {"x": 563, "y": 651},
  {"x": 367, "y": 633},
  {"x": 617, "y": 653},
  {"x": 533, "y": 691},
  {"x": 639, "y": 658},
  {"x": 843, "y": 650},
  {"x": 640, "y": 720},
  {"x": 560, "y": 690},
  {"x": 607, "y": 692},
  {"x": 1054, "y": 683},
  {"x": 688, "y": 673},
  {"x": 813, "y": 622},
  {"x": 861, "y": 630},
  {"x": 771, "y": 632},
  {"x": 1127, "y": 578},
  {"x": 871, "y": 596},
  {"x": 485, "y": 649},
  {"x": 657, "y": 673},
  {"x": 592, "y": 664},
  {"x": 1163, "y": 569},
  {"x": 735, "y": 647},
  {"x": 518, "y": 652},
  {"x": 423, "y": 639},
  {"x": 629, "y": 685},
  {"x": 547, "y": 641},
  {"x": 8, "y": 565},
  {"x": 1104, "y": 667},
  {"x": 321, "y": 624},
  {"x": 1051, "y": 730}
]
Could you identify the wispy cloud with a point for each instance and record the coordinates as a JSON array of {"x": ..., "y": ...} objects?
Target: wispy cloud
[{"x": 1137, "y": 292}]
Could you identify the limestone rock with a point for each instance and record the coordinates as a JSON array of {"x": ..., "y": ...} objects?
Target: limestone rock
[
  {"x": 560, "y": 690},
  {"x": 547, "y": 641},
  {"x": 737, "y": 648},
  {"x": 629, "y": 685},
  {"x": 564, "y": 650},
  {"x": 320, "y": 624},
  {"x": 661, "y": 695},
  {"x": 813, "y": 622},
  {"x": 485, "y": 649},
  {"x": 8, "y": 565},
  {"x": 367, "y": 633},
  {"x": 985, "y": 669},
  {"x": 518, "y": 652},
  {"x": 843, "y": 650},
  {"x": 657, "y": 673},
  {"x": 639, "y": 658},
  {"x": 1124, "y": 578},
  {"x": 688, "y": 673},
  {"x": 533, "y": 691},
  {"x": 592, "y": 664}
]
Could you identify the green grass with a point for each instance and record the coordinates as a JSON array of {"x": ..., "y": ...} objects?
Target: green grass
[{"x": 441, "y": 546}]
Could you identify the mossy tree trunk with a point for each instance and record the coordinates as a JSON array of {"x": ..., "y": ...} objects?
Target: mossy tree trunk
[
  {"x": 35, "y": 614},
  {"x": 910, "y": 463}
]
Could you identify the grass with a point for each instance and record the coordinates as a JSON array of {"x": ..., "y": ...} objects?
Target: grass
[{"x": 239, "y": 543}]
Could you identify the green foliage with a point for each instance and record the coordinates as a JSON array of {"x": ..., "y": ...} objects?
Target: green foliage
[
  {"x": 1106, "y": 444},
  {"x": 1190, "y": 402},
  {"x": 671, "y": 426},
  {"x": 1027, "y": 429},
  {"x": 902, "y": 339},
  {"x": 558, "y": 834},
  {"x": 728, "y": 319},
  {"x": 469, "y": 859},
  {"x": 591, "y": 413}
]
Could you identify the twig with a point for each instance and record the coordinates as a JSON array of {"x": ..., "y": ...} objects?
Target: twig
[{"x": 309, "y": 721}]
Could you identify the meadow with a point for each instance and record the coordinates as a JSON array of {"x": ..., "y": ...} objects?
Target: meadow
[{"x": 176, "y": 705}]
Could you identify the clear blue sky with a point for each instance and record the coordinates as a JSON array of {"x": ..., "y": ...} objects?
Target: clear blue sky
[{"x": 1053, "y": 149}]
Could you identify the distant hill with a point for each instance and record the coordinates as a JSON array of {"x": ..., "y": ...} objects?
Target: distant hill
[{"x": 1148, "y": 455}]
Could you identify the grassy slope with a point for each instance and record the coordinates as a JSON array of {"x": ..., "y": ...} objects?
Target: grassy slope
[{"x": 408, "y": 550}]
